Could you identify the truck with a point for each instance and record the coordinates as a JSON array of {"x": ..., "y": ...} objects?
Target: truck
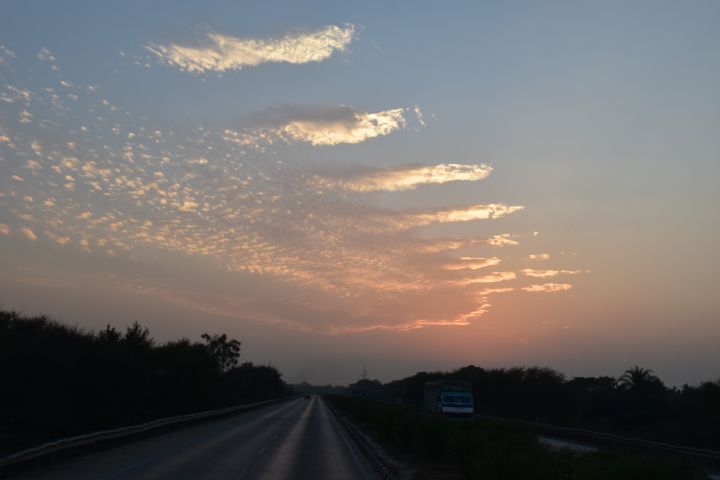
[{"x": 450, "y": 398}]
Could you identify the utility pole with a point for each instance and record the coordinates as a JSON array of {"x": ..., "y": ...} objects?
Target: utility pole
[{"x": 364, "y": 377}]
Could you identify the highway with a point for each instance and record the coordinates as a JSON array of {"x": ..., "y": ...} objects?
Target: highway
[{"x": 297, "y": 439}]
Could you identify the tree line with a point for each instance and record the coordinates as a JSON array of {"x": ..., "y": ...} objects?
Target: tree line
[
  {"x": 58, "y": 380},
  {"x": 637, "y": 403}
]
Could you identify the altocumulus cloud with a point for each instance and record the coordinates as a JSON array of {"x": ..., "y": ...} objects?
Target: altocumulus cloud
[
  {"x": 28, "y": 233},
  {"x": 220, "y": 53},
  {"x": 272, "y": 246},
  {"x": 316, "y": 125}
]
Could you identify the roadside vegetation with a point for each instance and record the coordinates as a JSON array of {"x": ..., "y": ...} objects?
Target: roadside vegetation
[
  {"x": 637, "y": 404},
  {"x": 486, "y": 450},
  {"x": 58, "y": 380}
]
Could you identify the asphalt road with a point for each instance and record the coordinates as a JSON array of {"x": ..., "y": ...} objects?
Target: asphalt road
[{"x": 298, "y": 439}]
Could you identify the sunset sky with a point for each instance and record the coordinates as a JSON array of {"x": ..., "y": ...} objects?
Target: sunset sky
[{"x": 401, "y": 186}]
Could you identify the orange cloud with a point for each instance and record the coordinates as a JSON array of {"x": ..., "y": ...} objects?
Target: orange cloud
[
  {"x": 529, "y": 272},
  {"x": 548, "y": 288},
  {"x": 502, "y": 240},
  {"x": 405, "y": 220},
  {"x": 494, "y": 277},
  {"x": 408, "y": 178},
  {"x": 28, "y": 233},
  {"x": 472, "y": 263}
]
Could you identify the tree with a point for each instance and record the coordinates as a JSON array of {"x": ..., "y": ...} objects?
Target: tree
[
  {"x": 225, "y": 352},
  {"x": 637, "y": 378},
  {"x": 137, "y": 336},
  {"x": 109, "y": 335}
]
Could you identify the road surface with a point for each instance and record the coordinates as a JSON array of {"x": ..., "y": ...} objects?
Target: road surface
[{"x": 298, "y": 439}]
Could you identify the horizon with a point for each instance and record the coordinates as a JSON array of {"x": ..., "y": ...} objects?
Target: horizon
[
  {"x": 351, "y": 186},
  {"x": 364, "y": 375}
]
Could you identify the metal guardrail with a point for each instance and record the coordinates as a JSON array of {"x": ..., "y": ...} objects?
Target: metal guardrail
[
  {"x": 377, "y": 463},
  {"x": 611, "y": 438},
  {"x": 65, "y": 445}
]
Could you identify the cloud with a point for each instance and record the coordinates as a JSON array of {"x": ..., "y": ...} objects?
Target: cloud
[
  {"x": 12, "y": 93},
  {"x": 539, "y": 256},
  {"x": 491, "y": 211},
  {"x": 221, "y": 53},
  {"x": 279, "y": 246},
  {"x": 6, "y": 51},
  {"x": 356, "y": 128},
  {"x": 494, "y": 277},
  {"x": 548, "y": 288},
  {"x": 26, "y": 117},
  {"x": 28, "y": 233},
  {"x": 419, "y": 116},
  {"x": 472, "y": 263},
  {"x": 461, "y": 321},
  {"x": 491, "y": 291},
  {"x": 408, "y": 178},
  {"x": 502, "y": 240},
  {"x": 316, "y": 125},
  {"x": 60, "y": 240},
  {"x": 548, "y": 273},
  {"x": 438, "y": 245},
  {"x": 4, "y": 229},
  {"x": 45, "y": 55}
]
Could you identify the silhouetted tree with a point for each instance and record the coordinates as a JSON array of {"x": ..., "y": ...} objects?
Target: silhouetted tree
[
  {"x": 251, "y": 383},
  {"x": 59, "y": 380},
  {"x": 638, "y": 378},
  {"x": 109, "y": 335},
  {"x": 187, "y": 370},
  {"x": 137, "y": 336},
  {"x": 226, "y": 352}
]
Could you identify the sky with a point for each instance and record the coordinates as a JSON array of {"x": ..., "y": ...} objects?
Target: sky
[{"x": 389, "y": 186}]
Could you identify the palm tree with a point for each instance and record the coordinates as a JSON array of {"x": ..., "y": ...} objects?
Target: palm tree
[{"x": 637, "y": 378}]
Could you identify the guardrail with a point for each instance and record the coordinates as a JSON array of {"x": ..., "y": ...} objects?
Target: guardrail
[
  {"x": 377, "y": 463},
  {"x": 67, "y": 445},
  {"x": 611, "y": 438}
]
